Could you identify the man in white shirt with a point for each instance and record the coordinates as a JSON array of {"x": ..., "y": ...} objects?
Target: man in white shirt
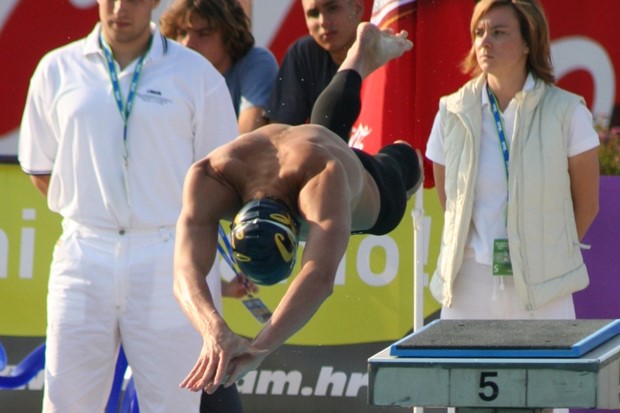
[{"x": 111, "y": 125}]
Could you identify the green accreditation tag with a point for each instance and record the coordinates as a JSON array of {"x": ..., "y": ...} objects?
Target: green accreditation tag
[
  {"x": 501, "y": 258},
  {"x": 257, "y": 307}
]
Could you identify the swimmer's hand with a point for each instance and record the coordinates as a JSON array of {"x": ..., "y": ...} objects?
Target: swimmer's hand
[
  {"x": 219, "y": 351},
  {"x": 243, "y": 364}
]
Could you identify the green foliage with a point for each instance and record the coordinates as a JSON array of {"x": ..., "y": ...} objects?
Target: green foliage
[{"x": 609, "y": 150}]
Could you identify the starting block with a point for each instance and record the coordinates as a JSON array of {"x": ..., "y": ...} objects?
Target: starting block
[{"x": 501, "y": 365}]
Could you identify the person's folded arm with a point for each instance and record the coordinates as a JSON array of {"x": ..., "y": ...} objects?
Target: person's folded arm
[
  {"x": 41, "y": 182},
  {"x": 584, "y": 183}
]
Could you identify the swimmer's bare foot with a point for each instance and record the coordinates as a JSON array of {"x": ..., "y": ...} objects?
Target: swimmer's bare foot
[{"x": 373, "y": 48}]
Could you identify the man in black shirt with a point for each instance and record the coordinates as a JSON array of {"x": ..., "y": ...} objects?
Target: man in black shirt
[{"x": 312, "y": 61}]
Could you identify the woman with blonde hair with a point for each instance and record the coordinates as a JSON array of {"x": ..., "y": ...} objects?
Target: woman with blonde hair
[{"x": 516, "y": 167}]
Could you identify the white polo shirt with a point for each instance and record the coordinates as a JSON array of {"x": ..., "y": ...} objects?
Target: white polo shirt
[
  {"x": 488, "y": 215},
  {"x": 73, "y": 130}
]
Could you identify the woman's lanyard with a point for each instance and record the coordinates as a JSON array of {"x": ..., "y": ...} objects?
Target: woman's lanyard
[
  {"x": 123, "y": 108},
  {"x": 501, "y": 254},
  {"x": 499, "y": 125}
]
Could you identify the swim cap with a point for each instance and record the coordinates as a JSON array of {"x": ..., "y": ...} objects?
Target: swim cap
[{"x": 264, "y": 241}]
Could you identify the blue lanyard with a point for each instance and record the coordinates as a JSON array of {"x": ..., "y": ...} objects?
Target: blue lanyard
[
  {"x": 124, "y": 109},
  {"x": 499, "y": 126},
  {"x": 227, "y": 253}
]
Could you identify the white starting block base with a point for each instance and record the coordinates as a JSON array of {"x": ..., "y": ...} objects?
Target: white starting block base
[{"x": 591, "y": 381}]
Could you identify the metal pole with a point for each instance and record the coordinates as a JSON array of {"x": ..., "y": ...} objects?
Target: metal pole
[{"x": 417, "y": 213}]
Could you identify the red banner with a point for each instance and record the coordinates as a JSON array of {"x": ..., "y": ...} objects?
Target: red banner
[
  {"x": 32, "y": 28},
  {"x": 401, "y": 98}
]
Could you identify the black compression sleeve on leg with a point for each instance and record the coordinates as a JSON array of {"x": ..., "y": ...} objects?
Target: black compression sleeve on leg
[
  {"x": 339, "y": 105},
  {"x": 223, "y": 400}
]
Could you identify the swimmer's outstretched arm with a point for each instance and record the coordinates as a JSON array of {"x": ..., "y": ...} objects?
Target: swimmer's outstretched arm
[{"x": 195, "y": 251}]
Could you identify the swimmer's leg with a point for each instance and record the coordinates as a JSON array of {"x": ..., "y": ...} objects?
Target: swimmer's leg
[{"x": 339, "y": 105}]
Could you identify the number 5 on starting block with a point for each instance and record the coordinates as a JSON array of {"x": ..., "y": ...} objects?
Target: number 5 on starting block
[{"x": 495, "y": 387}]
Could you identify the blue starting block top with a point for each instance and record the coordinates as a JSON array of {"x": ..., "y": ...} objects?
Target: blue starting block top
[{"x": 506, "y": 338}]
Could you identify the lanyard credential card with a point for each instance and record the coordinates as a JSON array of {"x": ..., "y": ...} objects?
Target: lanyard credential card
[
  {"x": 501, "y": 252},
  {"x": 255, "y": 305}
]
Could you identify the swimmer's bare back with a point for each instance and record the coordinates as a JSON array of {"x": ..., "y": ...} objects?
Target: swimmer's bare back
[{"x": 280, "y": 160}]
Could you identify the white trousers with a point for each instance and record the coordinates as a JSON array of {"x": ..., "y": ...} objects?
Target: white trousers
[
  {"x": 478, "y": 294},
  {"x": 108, "y": 288}
]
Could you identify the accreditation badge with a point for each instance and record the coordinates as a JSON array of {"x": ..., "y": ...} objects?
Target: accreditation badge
[
  {"x": 257, "y": 307},
  {"x": 501, "y": 258}
]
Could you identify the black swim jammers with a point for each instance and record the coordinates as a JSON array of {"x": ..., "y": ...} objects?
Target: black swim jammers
[{"x": 395, "y": 169}]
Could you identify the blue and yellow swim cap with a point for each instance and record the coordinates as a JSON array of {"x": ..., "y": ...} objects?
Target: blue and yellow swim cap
[{"x": 264, "y": 241}]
